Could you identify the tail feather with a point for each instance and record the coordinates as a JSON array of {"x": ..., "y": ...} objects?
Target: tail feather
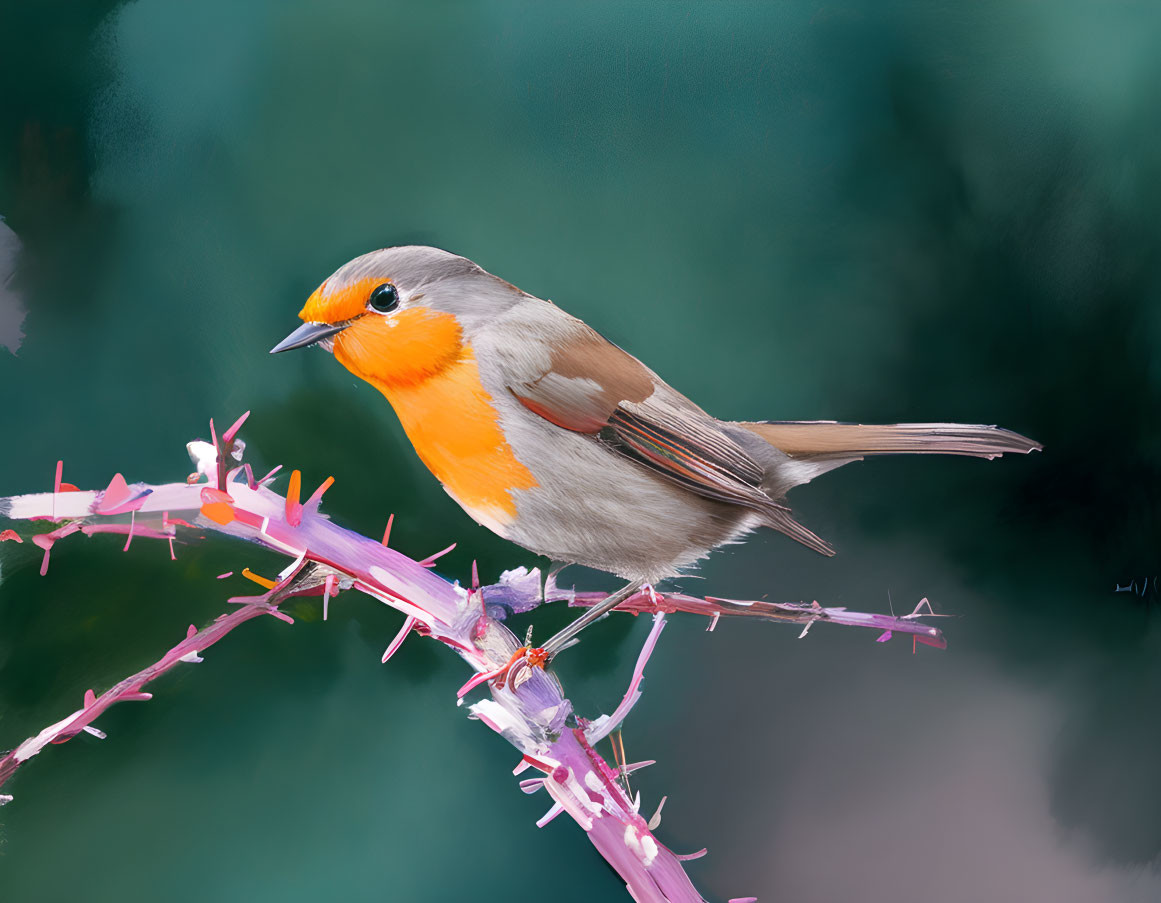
[
  {"x": 824, "y": 440},
  {"x": 810, "y": 448},
  {"x": 781, "y": 520}
]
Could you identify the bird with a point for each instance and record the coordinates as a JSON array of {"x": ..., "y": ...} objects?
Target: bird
[{"x": 557, "y": 439}]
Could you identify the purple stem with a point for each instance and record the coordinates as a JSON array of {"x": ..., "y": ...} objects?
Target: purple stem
[{"x": 529, "y": 710}]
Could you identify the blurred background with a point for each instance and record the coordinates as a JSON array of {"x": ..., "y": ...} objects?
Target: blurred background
[{"x": 857, "y": 211}]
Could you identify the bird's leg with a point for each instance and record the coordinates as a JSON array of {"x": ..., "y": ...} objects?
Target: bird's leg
[
  {"x": 540, "y": 656},
  {"x": 563, "y": 637},
  {"x": 554, "y": 568}
]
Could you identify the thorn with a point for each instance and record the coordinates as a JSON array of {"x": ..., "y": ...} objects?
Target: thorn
[
  {"x": 430, "y": 560},
  {"x": 328, "y": 588},
  {"x": 132, "y": 524},
  {"x": 293, "y": 508},
  {"x": 714, "y": 622},
  {"x": 621, "y": 760},
  {"x": 56, "y": 485},
  {"x": 918, "y": 609},
  {"x": 115, "y": 495},
  {"x": 655, "y": 821},
  {"x": 90, "y": 698},
  {"x": 408, "y": 623},
  {"x": 225, "y": 575},
  {"x": 192, "y": 631},
  {"x": 548, "y": 816},
  {"x": 387, "y": 532},
  {"x": 270, "y": 476},
  {"x": 475, "y": 577},
  {"x": 261, "y": 581},
  {"x": 316, "y": 496},
  {"x": 228, "y": 435},
  {"x": 478, "y": 678}
]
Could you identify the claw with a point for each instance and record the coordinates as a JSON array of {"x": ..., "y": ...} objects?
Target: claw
[{"x": 534, "y": 656}]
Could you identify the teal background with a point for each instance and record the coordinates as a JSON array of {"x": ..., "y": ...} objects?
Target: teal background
[{"x": 865, "y": 211}]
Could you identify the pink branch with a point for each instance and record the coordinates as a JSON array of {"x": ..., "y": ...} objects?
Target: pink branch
[
  {"x": 529, "y": 710},
  {"x": 130, "y": 689}
]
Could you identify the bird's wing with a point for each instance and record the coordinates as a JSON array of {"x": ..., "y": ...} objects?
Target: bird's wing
[{"x": 584, "y": 383}]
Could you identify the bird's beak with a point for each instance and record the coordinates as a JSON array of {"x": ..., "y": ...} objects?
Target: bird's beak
[{"x": 308, "y": 334}]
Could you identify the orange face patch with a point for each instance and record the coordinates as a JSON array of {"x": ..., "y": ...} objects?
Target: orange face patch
[
  {"x": 401, "y": 349},
  {"x": 337, "y": 305},
  {"x": 417, "y": 359}
]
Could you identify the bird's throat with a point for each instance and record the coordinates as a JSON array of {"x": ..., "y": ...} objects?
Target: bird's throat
[{"x": 433, "y": 383}]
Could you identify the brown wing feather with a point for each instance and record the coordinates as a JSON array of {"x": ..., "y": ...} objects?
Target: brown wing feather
[{"x": 594, "y": 387}]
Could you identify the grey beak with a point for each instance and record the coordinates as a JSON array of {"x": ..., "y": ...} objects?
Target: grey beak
[{"x": 308, "y": 334}]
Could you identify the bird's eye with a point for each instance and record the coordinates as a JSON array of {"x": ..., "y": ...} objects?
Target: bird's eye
[{"x": 384, "y": 298}]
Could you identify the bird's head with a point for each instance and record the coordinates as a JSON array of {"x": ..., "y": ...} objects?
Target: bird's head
[{"x": 398, "y": 316}]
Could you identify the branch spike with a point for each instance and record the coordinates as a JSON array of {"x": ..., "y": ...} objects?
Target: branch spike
[
  {"x": 328, "y": 588},
  {"x": 261, "y": 581},
  {"x": 430, "y": 560},
  {"x": 293, "y": 507},
  {"x": 56, "y": 485},
  {"x": 408, "y": 623},
  {"x": 316, "y": 496},
  {"x": 228, "y": 435},
  {"x": 132, "y": 525}
]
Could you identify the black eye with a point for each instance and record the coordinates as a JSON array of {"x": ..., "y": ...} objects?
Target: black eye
[{"x": 384, "y": 298}]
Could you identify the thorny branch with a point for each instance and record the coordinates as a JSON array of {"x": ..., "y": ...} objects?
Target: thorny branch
[{"x": 527, "y": 706}]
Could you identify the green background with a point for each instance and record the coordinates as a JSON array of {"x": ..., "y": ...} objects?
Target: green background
[{"x": 863, "y": 211}]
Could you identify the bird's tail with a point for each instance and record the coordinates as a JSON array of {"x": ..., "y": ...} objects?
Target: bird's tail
[
  {"x": 810, "y": 448},
  {"x": 822, "y": 440}
]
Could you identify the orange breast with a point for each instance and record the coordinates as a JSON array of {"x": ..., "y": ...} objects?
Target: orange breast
[{"x": 417, "y": 360}]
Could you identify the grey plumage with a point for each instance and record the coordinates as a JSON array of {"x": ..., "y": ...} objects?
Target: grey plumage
[{"x": 630, "y": 476}]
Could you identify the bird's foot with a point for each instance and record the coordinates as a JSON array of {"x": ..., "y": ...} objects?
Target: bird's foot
[{"x": 531, "y": 656}]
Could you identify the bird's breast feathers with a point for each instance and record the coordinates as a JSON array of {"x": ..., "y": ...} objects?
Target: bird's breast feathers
[{"x": 432, "y": 380}]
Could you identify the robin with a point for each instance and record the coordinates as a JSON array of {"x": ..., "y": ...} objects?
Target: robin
[{"x": 553, "y": 437}]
